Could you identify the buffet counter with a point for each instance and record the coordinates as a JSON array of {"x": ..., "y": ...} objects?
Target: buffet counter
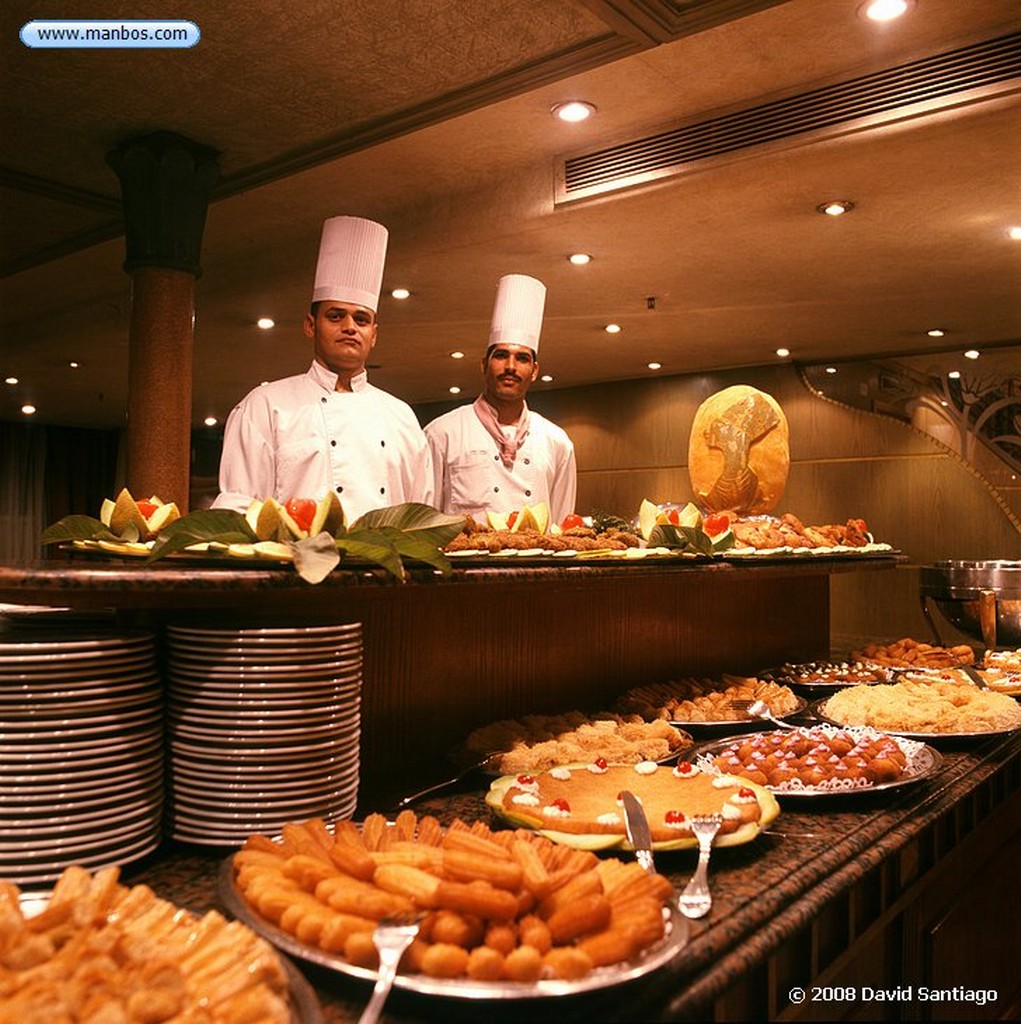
[
  {"x": 898, "y": 905},
  {"x": 443, "y": 656}
]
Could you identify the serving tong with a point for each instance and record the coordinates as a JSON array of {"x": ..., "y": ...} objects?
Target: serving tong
[
  {"x": 760, "y": 709},
  {"x": 482, "y": 764},
  {"x": 696, "y": 900}
]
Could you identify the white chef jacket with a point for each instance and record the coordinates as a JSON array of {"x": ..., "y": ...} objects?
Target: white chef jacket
[
  {"x": 298, "y": 438},
  {"x": 471, "y": 476}
]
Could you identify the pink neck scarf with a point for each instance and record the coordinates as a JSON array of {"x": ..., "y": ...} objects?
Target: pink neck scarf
[{"x": 508, "y": 445}]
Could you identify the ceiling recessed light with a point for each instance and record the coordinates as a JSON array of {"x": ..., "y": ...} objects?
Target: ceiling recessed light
[
  {"x": 73, "y": 364},
  {"x": 613, "y": 328},
  {"x": 1015, "y": 233},
  {"x": 28, "y": 410},
  {"x": 579, "y": 259},
  {"x": 574, "y": 111},
  {"x": 936, "y": 332},
  {"x": 210, "y": 421},
  {"x": 885, "y": 10},
  {"x": 265, "y": 323},
  {"x": 783, "y": 353},
  {"x": 655, "y": 366},
  {"x": 972, "y": 353},
  {"x": 831, "y": 369},
  {"x": 10, "y": 380},
  {"x": 546, "y": 378},
  {"x": 400, "y": 293},
  {"x": 835, "y": 207},
  {"x": 457, "y": 355},
  {"x": 954, "y": 374},
  {"x": 455, "y": 390}
]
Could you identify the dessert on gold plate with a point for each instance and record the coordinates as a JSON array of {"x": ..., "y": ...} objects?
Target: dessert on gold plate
[
  {"x": 579, "y": 804},
  {"x": 100, "y": 951},
  {"x": 498, "y": 907}
]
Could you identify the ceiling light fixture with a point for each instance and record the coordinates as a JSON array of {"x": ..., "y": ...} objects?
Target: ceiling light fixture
[
  {"x": 457, "y": 355},
  {"x": 400, "y": 293},
  {"x": 455, "y": 390},
  {"x": 1015, "y": 233},
  {"x": 73, "y": 364},
  {"x": 28, "y": 410},
  {"x": 546, "y": 378},
  {"x": 265, "y": 323},
  {"x": 10, "y": 380},
  {"x": 936, "y": 332},
  {"x": 972, "y": 353},
  {"x": 885, "y": 10},
  {"x": 835, "y": 207},
  {"x": 783, "y": 353},
  {"x": 579, "y": 259},
  {"x": 655, "y": 366},
  {"x": 954, "y": 374},
  {"x": 210, "y": 421},
  {"x": 573, "y": 111},
  {"x": 613, "y": 328},
  {"x": 831, "y": 369}
]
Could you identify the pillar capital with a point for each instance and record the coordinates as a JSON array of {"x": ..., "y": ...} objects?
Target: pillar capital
[{"x": 166, "y": 181}]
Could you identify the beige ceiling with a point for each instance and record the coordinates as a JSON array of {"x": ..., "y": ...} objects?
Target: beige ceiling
[{"x": 433, "y": 116}]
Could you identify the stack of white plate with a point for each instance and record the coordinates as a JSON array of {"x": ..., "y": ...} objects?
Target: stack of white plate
[
  {"x": 263, "y": 727},
  {"x": 81, "y": 750}
]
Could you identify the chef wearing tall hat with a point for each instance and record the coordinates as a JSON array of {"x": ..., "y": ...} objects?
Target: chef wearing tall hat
[
  {"x": 498, "y": 454},
  {"x": 329, "y": 428}
]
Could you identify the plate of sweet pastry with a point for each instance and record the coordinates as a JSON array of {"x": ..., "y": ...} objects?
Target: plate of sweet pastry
[
  {"x": 823, "y": 760},
  {"x": 502, "y": 914}
]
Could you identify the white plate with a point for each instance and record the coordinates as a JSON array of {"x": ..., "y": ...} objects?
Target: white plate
[
  {"x": 56, "y": 725},
  {"x": 107, "y": 856},
  {"x": 106, "y": 751},
  {"x": 75, "y": 701},
  {"x": 86, "y": 819},
  {"x": 33, "y": 800},
  {"x": 266, "y": 634},
  {"x": 296, "y": 653},
  {"x": 35, "y": 849},
  {"x": 307, "y": 769}
]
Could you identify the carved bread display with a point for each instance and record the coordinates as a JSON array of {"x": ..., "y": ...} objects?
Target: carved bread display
[{"x": 739, "y": 452}]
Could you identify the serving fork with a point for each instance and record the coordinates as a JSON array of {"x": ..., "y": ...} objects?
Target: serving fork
[
  {"x": 391, "y": 938},
  {"x": 697, "y": 900}
]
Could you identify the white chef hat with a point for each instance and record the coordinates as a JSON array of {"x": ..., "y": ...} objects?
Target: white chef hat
[
  {"x": 352, "y": 252},
  {"x": 517, "y": 312}
]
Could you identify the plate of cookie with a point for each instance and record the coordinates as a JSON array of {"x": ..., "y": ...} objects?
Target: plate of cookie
[
  {"x": 821, "y": 761},
  {"x": 828, "y": 675},
  {"x": 503, "y": 914},
  {"x": 579, "y": 805}
]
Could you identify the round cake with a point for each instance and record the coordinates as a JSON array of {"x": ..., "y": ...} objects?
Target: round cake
[{"x": 583, "y": 800}]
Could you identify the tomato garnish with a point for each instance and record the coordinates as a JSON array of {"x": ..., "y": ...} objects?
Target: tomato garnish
[
  {"x": 572, "y": 521},
  {"x": 511, "y": 518},
  {"x": 673, "y": 517},
  {"x": 674, "y": 818},
  {"x": 146, "y": 507},
  {"x": 745, "y": 792},
  {"x": 717, "y": 523},
  {"x": 561, "y": 804},
  {"x": 526, "y": 780},
  {"x": 601, "y": 762},
  {"x": 302, "y": 511}
]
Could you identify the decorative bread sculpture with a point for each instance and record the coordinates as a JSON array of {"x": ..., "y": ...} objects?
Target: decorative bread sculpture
[{"x": 739, "y": 452}]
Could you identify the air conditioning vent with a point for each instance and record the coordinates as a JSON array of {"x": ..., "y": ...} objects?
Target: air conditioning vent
[{"x": 925, "y": 85}]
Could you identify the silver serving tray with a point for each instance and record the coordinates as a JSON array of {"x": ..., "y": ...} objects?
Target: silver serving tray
[
  {"x": 736, "y": 724},
  {"x": 819, "y": 710},
  {"x": 924, "y": 763},
  {"x": 655, "y": 956}
]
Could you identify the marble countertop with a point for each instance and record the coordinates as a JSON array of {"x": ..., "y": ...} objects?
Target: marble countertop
[{"x": 764, "y": 892}]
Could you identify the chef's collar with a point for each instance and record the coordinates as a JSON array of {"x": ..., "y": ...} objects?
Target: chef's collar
[{"x": 327, "y": 379}]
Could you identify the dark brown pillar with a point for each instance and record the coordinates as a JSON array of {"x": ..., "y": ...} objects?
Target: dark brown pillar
[{"x": 166, "y": 181}]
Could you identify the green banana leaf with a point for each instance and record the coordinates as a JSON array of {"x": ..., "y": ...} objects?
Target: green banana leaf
[
  {"x": 373, "y": 546},
  {"x": 315, "y": 557},
  {"x": 684, "y": 538},
  {"x": 414, "y": 517},
  {"x": 212, "y": 524},
  {"x": 72, "y": 528},
  {"x": 417, "y": 546}
]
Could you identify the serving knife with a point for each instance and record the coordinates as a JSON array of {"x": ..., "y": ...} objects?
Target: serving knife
[{"x": 636, "y": 825}]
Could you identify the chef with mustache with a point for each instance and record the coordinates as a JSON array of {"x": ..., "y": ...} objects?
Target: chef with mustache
[{"x": 497, "y": 454}]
